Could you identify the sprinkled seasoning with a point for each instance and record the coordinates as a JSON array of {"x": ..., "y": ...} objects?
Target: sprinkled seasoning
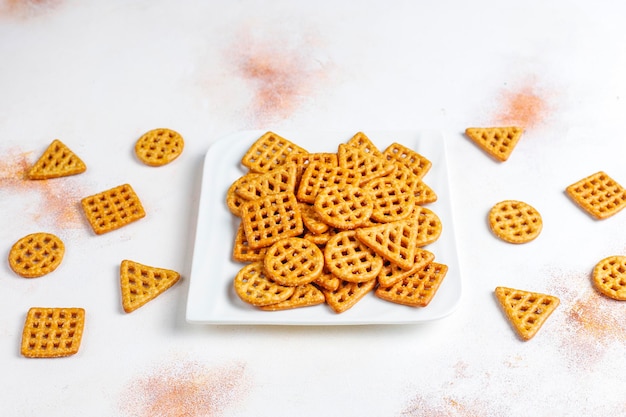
[
  {"x": 59, "y": 198},
  {"x": 27, "y": 8},
  {"x": 419, "y": 406},
  {"x": 184, "y": 389},
  {"x": 524, "y": 106}
]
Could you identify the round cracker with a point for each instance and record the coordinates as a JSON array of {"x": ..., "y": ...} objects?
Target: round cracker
[
  {"x": 36, "y": 255},
  {"x": 515, "y": 221},
  {"x": 159, "y": 147},
  {"x": 609, "y": 277}
]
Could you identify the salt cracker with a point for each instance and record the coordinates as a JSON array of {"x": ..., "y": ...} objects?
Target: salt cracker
[
  {"x": 293, "y": 261},
  {"x": 142, "y": 283},
  {"x": 347, "y": 294},
  {"x": 346, "y": 207},
  {"x": 159, "y": 147},
  {"x": 417, "y": 289},
  {"x": 429, "y": 226},
  {"x": 36, "y": 254},
  {"x": 515, "y": 221},
  {"x": 268, "y": 152},
  {"x": 609, "y": 277},
  {"x": 234, "y": 200},
  {"x": 498, "y": 142},
  {"x": 349, "y": 259},
  {"x": 392, "y": 273},
  {"x": 111, "y": 209},
  {"x": 302, "y": 161},
  {"x": 319, "y": 175},
  {"x": 394, "y": 241},
  {"x": 57, "y": 161},
  {"x": 52, "y": 332},
  {"x": 361, "y": 141},
  {"x": 281, "y": 179},
  {"x": 392, "y": 200},
  {"x": 526, "y": 311},
  {"x": 367, "y": 165},
  {"x": 418, "y": 164},
  {"x": 254, "y": 287},
  {"x": 271, "y": 218},
  {"x": 242, "y": 252},
  {"x": 306, "y": 295},
  {"x": 599, "y": 195},
  {"x": 327, "y": 281},
  {"x": 311, "y": 219}
]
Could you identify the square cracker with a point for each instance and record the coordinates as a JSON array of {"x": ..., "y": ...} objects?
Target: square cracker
[
  {"x": 599, "y": 195},
  {"x": 112, "y": 209},
  {"x": 52, "y": 332}
]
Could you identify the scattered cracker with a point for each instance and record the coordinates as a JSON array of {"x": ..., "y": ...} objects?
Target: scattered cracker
[
  {"x": 112, "y": 209},
  {"x": 599, "y": 195},
  {"x": 526, "y": 311},
  {"x": 609, "y": 277},
  {"x": 141, "y": 283},
  {"x": 159, "y": 147},
  {"x": 57, "y": 161},
  {"x": 498, "y": 142},
  {"x": 52, "y": 332},
  {"x": 515, "y": 221},
  {"x": 36, "y": 255}
]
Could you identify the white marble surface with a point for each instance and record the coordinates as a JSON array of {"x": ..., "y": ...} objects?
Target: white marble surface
[{"x": 98, "y": 74}]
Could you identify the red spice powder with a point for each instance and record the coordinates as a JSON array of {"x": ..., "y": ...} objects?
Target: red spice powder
[
  {"x": 525, "y": 106},
  {"x": 59, "y": 198},
  {"x": 26, "y": 8},
  {"x": 419, "y": 406},
  {"x": 282, "y": 75},
  {"x": 184, "y": 389}
]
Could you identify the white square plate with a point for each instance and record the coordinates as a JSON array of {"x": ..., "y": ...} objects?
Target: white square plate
[{"x": 211, "y": 297}]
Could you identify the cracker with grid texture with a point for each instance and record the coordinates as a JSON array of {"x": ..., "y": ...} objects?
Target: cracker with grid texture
[
  {"x": 293, "y": 261},
  {"x": 311, "y": 219},
  {"x": 609, "y": 277},
  {"x": 306, "y": 295},
  {"x": 242, "y": 252},
  {"x": 268, "y": 152},
  {"x": 347, "y": 294},
  {"x": 234, "y": 200},
  {"x": 36, "y": 254},
  {"x": 112, "y": 209},
  {"x": 367, "y": 165},
  {"x": 497, "y": 142},
  {"x": 321, "y": 239},
  {"x": 253, "y": 286},
  {"x": 279, "y": 180},
  {"x": 327, "y": 280},
  {"x": 429, "y": 226},
  {"x": 319, "y": 175},
  {"x": 515, "y": 221},
  {"x": 52, "y": 332},
  {"x": 349, "y": 259},
  {"x": 417, "y": 289},
  {"x": 392, "y": 273},
  {"x": 302, "y": 161},
  {"x": 361, "y": 141},
  {"x": 392, "y": 200},
  {"x": 418, "y": 164},
  {"x": 599, "y": 195},
  {"x": 57, "y": 161},
  {"x": 159, "y": 147},
  {"x": 346, "y": 207},
  {"x": 394, "y": 241},
  {"x": 271, "y": 218},
  {"x": 526, "y": 311},
  {"x": 142, "y": 283}
]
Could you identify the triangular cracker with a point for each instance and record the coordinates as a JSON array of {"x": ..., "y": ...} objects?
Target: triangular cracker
[
  {"x": 394, "y": 241},
  {"x": 57, "y": 161},
  {"x": 141, "y": 283},
  {"x": 366, "y": 164},
  {"x": 348, "y": 294},
  {"x": 526, "y": 311},
  {"x": 498, "y": 142}
]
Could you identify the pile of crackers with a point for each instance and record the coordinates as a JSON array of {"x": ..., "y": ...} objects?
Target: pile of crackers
[{"x": 331, "y": 227}]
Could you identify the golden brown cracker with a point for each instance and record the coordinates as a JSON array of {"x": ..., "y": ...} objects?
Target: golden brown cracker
[
  {"x": 268, "y": 152},
  {"x": 142, "y": 283},
  {"x": 609, "y": 277},
  {"x": 416, "y": 289},
  {"x": 293, "y": 261},
  {"x": 111, "y": 209},
  {"x": 598, "y": 194},
  {"x": 52, "y": 332},
  {"x": 254, "y": 287},
  {"x": 497, "y": 142},
  {"x": 57, "y": 161},
  {"x": 36, "y": 254},
  {"x": 515, "y": 221},
  {"x": 526, "y": 311},
  {"x": 159, "y": 147}
]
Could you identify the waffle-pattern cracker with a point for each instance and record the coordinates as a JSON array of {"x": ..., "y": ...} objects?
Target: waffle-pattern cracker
[
  {"x": 52, "y": 332},
  {"x": 142, "y": 283},
  {"x": 392, "y": 273},
  {"x": 609, "y": 277},
  {"x": 497, "y": 142},
  {"x": 254, "y": 287},
  {"x": 268, "y": 152},
  {"x": 347, "y": 294},
  {"x": 395, "y": 241},
  {"x": 319, "y": 175},
  {"x": 367, "y": 165},
  {"x": 515, "y": 221},
  {"x": 111, "y": 209},
  {"x": 526, "y": 311},
  {"x": 306, "y": 295},
  {"x": 159, "y": 147},
  {"x": 57, "y": 161},
  {"x": 598, "y": 194},
  {"x": 36, "y": 254},
  {"x": 271, "y": 218},
  {"x": 429, "y": 226},
  {"x": 293, "y": 261},
  {"x": 418, "y": 164},
  {"x": 345, "y": 208},
  {"x": 361, "y": 141},
  {"x": 392, "y": 200},
  {"x": 279, "y": 180},
  {"x": 242, "y": 252},
  {"x": 349, "y": 259},
  {"x": 417, "y": 289}
]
